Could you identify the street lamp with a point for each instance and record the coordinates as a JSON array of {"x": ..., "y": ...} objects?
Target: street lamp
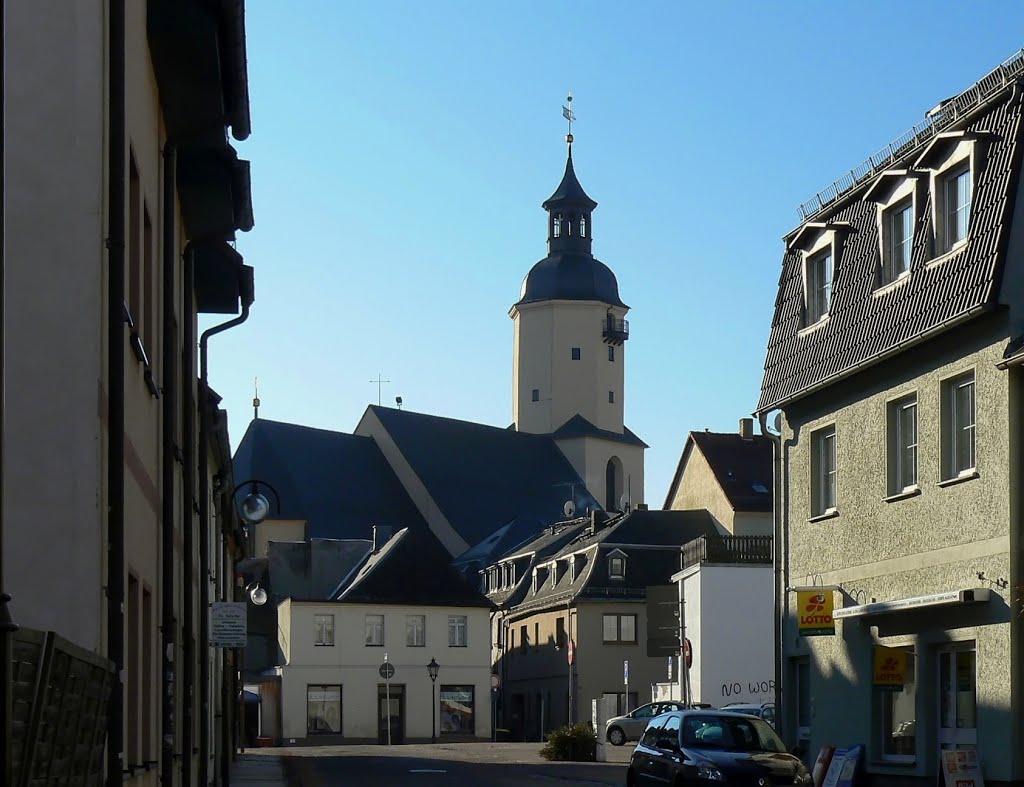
[{"x": 432, "y": 669}]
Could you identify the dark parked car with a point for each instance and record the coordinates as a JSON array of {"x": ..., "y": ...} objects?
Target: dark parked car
[{"x": 697, "y": 747}]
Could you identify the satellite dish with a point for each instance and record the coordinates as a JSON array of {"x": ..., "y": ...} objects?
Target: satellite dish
[
  {"x": 569, "y": 508},
  {"x": 776, "y": 425},
  {"x": 624, "y": 502}
]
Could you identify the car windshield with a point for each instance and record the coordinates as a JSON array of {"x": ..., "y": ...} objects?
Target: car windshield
[{"x": 730, "y": 733}]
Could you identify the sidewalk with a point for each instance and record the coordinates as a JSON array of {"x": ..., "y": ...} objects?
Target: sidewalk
[{"x": 259, "y": 770}]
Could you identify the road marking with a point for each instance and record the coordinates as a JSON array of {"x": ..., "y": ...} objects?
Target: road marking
[{"x": 426, "y": 770}]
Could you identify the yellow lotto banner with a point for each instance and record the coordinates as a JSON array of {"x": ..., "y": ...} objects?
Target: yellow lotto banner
[
  {"x": 814, "y": 608},
  {"x": 890, "y": 668}
]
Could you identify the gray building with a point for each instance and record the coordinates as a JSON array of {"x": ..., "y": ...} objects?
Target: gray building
[{"x": 894, "y": 360}]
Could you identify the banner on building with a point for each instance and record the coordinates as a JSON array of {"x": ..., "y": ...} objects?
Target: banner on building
[
  {"x": 890, "y": 670},
  {"x": 814, "y": 608}
]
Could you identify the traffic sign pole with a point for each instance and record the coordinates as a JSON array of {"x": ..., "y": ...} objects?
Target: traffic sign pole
[{"x": 387, "y": 693}]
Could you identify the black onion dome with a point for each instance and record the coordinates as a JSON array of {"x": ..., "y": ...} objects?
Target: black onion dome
[{"x": 570, "y": 277}]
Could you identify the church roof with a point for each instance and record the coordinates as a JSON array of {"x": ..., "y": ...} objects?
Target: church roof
[
  {"x": 578, "y": 426},
  {"x": 483, "y": 477},
  {"x": 570, "y": 276},
  {"x": 569, "y": 190},
  {"x": 339, "y": 483}
]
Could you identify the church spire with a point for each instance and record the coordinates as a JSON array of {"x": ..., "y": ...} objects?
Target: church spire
[{"x": 569, "y": 208}]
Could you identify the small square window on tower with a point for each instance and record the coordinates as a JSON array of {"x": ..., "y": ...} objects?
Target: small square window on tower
[
  {"x": 575, "y": 353},
  {"x": 611, "y": 352},
  {"x": 611, "y": 397},
  {"x": 536, "y": 395}
]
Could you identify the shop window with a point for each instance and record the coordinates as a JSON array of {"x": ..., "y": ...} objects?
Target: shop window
[
  {"x": 896, "y": 704},
  {"x": 457, "y": 710},
  {"x": 323, "y": 710}
]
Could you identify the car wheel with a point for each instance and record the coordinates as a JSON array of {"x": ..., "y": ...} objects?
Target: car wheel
[{"x": 616, "y": 737}]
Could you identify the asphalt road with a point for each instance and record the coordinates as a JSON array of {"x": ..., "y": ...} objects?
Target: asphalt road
[{"x": 466, "y": 765}]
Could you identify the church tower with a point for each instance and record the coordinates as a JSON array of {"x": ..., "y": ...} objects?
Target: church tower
[{"x": 570, "y": 352}]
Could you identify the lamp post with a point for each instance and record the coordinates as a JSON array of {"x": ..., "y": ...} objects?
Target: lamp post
[{"x": 432, "y": 669}]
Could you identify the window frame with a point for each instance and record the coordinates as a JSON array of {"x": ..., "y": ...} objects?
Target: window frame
[
  {"x": 454, "y": 620},
  {"x": 617, "y": 558},
  {"x": 611, "y": 397},
  {"x": 576, "y": 354},
  {"x": 898, "y": 482},
  {"x": 950, "y": 219},
  {"x": 411, "y": 629},
  {"x": 812, "y": 287},
  {"x": 535, "y": 395},
  {"x": 821, "y": 476},
  {"x": 611, "y": 353},
  {"x": 619, "y": 616},
  {"x": 903, "y": 206},
  {"x": 325, "y": 688},
  {"x": 317, "y": 620},
  {"x": 950, "y": 426},
  {"x": 366, "y": 630},
  {"x": 880, "y": 707}
]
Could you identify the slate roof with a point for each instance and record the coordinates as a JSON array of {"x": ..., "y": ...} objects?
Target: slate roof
[
  {"x": 412, "y": 568},
  {"x": 578, "y": 426},
  {"x": 569, "y": 190},
  {"x": 863, "y": 328},
  {"x": 340, "y": 483},
  {"x": 483, "y": 477},
  {"x": 570, "y": 276},
  {"x": 742, "y": 466}
]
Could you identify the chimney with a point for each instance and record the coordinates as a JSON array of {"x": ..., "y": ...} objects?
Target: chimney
[
  {"x": 641, "y": 506},
  {"x": 747, "y": 428}
]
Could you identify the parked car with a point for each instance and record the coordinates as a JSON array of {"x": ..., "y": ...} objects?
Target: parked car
[
  {"x": 764, "y": 711},
  {"x": 630, "y": 726},
  {"x": 698, "y": 747}
]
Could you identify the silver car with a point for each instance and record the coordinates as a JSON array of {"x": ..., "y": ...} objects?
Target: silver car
[
  {"x": 764, "y": 711},
  {"x": 631, "y": 726}
]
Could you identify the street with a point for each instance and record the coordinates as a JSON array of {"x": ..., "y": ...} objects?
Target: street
[{"x": 425, "y": 764}]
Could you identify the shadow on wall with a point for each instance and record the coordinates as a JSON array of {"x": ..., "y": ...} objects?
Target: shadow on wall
[{"x": 533, "y": 697}]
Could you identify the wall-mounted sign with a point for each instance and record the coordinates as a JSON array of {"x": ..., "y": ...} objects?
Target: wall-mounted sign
[
  {"x": 814, "y": 611},
  {"x": 890, "y": 668},
  {"x": 948, "y": 598},
  {"x": 227, "y": 624}
]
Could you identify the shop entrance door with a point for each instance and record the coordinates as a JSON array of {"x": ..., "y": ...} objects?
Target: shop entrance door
[
  {"x": 958, "y": 697},
  {"x": 391, "y": 713}
]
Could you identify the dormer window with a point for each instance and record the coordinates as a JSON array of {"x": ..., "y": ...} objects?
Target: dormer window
[
  {"x": 572, "y": 568},
  {"x": 898, "y": 226},
  {"x": 617, "y": 565},
  {"x": 536, "y": 580},
  {"x": 819, "y": 285},
  {"x": 956, "y": 194}
]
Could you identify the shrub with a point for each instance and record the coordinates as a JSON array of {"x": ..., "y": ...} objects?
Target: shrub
[{"x": 575, "y": 743}]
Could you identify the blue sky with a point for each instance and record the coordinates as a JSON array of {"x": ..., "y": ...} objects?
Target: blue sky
[{"x": 400, "y": 153}]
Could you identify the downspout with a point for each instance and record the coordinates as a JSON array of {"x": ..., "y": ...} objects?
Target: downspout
[
  {"x": 779, "y": 557},
  {"x": 246, "y": 290},
  {"x": 170, "y": 424},
  {"x": 115, "y": 391},
  {"x": 188, "y": 412}
]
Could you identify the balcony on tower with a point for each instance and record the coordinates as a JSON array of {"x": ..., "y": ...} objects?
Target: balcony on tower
[{"x": 615, "y": 331}]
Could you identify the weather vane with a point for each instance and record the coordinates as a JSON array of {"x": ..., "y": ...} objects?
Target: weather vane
[
  {"x": 568, "y": 115},
  {"x": 256, "y": 397}
]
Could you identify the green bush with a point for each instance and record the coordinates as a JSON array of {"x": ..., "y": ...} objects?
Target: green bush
[{"x": 575, "y": 743}]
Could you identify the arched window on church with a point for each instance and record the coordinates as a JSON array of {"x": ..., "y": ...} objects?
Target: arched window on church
[
  {"x": 583, "y": 226},
  {"x": 556, "y": 231}
]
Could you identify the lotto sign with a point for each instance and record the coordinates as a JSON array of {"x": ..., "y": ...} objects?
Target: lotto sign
[
  {"x": 890, "y": 668},
  {"x": 814, "y": 608},
  {"x": 960, "y": 768}
]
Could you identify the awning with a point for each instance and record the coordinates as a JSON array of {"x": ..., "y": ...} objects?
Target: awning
[{"x": 946, "y": 599}]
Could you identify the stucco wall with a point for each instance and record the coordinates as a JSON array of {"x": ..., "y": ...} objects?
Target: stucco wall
[
  {"x": 353, "y": 665},
  {"x": 936, "y": 541},
  {"x": 545, "y": 334},
  {"x": 698, "y": 488},
  {"x": 589, "y": 457}
]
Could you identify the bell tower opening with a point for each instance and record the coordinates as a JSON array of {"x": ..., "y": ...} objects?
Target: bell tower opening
[{"x": 612, "y": 483}]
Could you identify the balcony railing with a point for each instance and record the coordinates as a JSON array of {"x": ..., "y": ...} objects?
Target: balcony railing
[
  {"x": 743, "y": 550},
  {"x": 615, "y": 331}
]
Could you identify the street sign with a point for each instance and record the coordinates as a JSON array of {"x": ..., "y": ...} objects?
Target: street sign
[
  {"x": 669, "y": 669},
  {"x": 625, "y": 672},
  {"x": 387, "y": 670},
  {"x": 687, "y": 653},
  {"x": 227, "y": 624},
  {"x": 495, "y": 682},
  {"x": 572, "y": 652}
]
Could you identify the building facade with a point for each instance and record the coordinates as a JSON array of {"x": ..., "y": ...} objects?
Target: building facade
[
  {"x": 122, "y": 194},
  {"x": 892, "y": 361}
]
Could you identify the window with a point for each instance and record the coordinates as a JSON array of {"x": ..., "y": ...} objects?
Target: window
[
  {"x": 823, "y": 479},
  {"x": 617, "y": 566},
  {"x": 323, "y": 710},
  {"x": 611, "y": 352},
  {"x": 456, "y": 631},
  {"x": 375, "y": 630},
  {"x": 557, "y": 227},
  {"x": 560, "y": 632},
  {"x": 803, "y": 696},
  {"x": 524, "y": 639},
  {"x": 575, "y": 353},
  {"x": 583, "y": 226},
  {"x": 536, "y": 635},
  {"x": 902, "y": 444},
  {"x": 899, "y": 229},
  {"x": 536, "y": 581},
  {"x": 956, "y": 192},
  {"x": 415, "y": 631},
  {"x": 572, "y": 568},
  {"x": 535, "y": 396},
  {"x": 619, "y": 628},
  {"x": 651, "y": 734},
  {"x": 958, "y": 455},
  {"x": 611, "y": 397},
  {"x": 819, "y": 286},
  {"x": 323, "y": 628},
  {"x": 896, "y": 709},
  {"x": 456, "y": 711}
]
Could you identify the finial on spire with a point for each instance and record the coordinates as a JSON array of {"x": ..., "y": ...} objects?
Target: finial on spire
[
  {"x": 256, "y": 398},
  {"x": 568, "y": 115}
]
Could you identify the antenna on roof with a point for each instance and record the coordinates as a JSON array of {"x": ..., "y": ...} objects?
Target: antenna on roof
[
  {"x": 569, "y": 508},
  {"x": 256, "y": 398}
]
